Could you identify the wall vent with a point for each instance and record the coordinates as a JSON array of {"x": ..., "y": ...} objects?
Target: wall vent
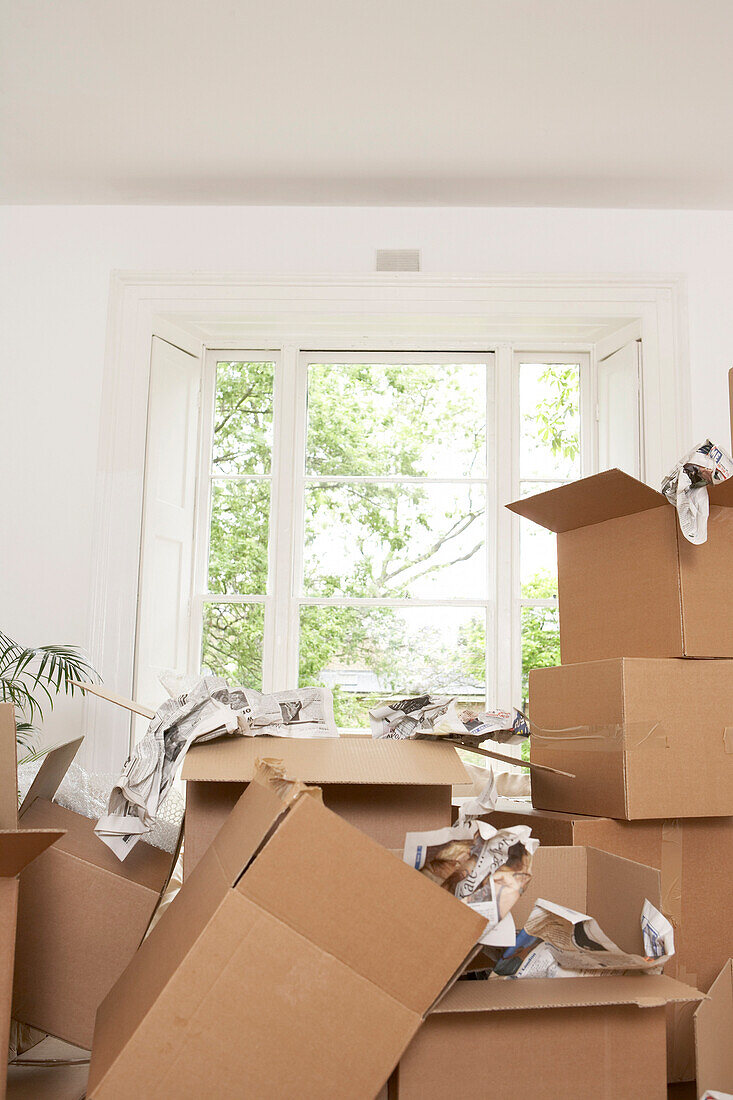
[{"x": 398, "y": 259}]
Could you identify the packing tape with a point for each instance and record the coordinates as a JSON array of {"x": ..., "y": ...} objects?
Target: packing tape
[
  {"x": 680, "y": 1042},
  {"x": 671, "y": 871},
  {"x": 598, "y": 738},
  {"x": 681, "y": 1033}
]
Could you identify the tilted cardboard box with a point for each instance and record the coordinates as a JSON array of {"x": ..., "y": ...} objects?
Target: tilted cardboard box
[
  {"x": 18, "y": 848},
  {"x": 81, "y": 912},
  {"x": 644, "y": 738},
  {"x": 694, "y": 857},
  {"x": 554, "y": 1038},
  {"x": 629, "y": 583},
  {"x": 298, "y": 960},
  {"x": 714, "y": 1036},
  {"x": 385, "y": 788}
]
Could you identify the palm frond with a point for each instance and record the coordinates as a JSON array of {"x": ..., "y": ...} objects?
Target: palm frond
[{"x": 31, "y": 677}]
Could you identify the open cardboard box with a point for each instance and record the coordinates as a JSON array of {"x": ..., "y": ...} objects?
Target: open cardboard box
[
  {"x": 18, "y": 848},
  {"x": 385, "y": 788},
  {"x": 555, "y": 1038},
  {"x": 714, "y": 1036},
  {"x": 629, "y": 583},
  {"x": 694, "y": 857},
  {"x": 644, "y": 738},
  {"x": 298, "y": 960},
  {"x": 81, "y": 912}
]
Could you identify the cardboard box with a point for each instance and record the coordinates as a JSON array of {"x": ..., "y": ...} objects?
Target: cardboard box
[
  {"x": 18, "y": 848},
  {"x": 548, "y": 1038},
  {"x": 644, "y": 738},
  {"x": 385, "y": 788},
  {"x": 714, "y": 1035},
  {"x": 629, "y": 583},
  {"x": 694, "y": 857},
  {"x": 81, "y": 913},
  {"x": 298, "y": 960},
  {"x": 63, "y": 1077}
]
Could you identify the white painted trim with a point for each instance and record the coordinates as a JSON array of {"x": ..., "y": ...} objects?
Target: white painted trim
[{"x": 333, "y": 311}]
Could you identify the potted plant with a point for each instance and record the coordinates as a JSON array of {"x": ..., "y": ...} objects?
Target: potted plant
[{"x": 31, "y": 677}]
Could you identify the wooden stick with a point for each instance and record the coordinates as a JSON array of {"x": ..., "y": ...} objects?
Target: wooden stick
[{"x": 118, "y": 700}]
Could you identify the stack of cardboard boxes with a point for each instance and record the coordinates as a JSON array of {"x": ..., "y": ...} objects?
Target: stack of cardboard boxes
[{"x": 640, "y": 710}]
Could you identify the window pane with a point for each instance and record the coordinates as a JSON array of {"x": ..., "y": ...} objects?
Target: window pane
[
  {"x": 549, "y": 398},
  {"x": 232, "y": 646},
  {"x": 538, "y": 552},
  {"x": 243, "y": 418},
  {"x": 240, "y": 520},
  {"x": 390, "y": 419},
  {"x": 365, "y": 654},
  {"x": 363, "y": 539},
  {"x": 540, "y": 641}
]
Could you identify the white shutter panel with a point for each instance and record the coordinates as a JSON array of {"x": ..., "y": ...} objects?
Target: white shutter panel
[
  {"x": 168, "y": 519},
  {"x": 619, "y": 410}
]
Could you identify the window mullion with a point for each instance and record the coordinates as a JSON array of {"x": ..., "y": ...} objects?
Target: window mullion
[
  {"x": 506, "y": 471},
  {"x": 277, "y": 670}
]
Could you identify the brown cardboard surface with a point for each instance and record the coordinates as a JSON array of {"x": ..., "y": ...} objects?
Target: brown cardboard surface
[
  {"x": 714, "y": 1035},
  {"x": 327, "y": 760},
  {"x": 298, "y": 932},
  {"x": 385, "y": 788},
  {"x": 18, "y": 848},
  {"x": 646, "y": 738},
  {"x": 613, "y": 1053},
  {"x": 48, "y": 778},
  {"x": 8, "y": 768},
  {"x": 629, "y": 584},
  {"x": 82, "y": 915},
  {"x": 681, "y": 849},
  {"x": 554, "y": 1039},
  {"x": 384, "y": 812}
]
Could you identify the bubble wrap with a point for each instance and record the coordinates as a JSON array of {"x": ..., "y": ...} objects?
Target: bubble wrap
[{"x": 87, "y": 794}]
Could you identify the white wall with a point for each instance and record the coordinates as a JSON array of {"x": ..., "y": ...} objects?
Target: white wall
[{"x": 54, "y": 278}]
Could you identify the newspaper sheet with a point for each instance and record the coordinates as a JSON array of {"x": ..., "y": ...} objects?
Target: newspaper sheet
[
  {"x": 557, "y": 942},
  {"x": 210, "y": 709},
  {"x": 686, "y": 486},
  {"x": 486, "y": 868},
  {"x": 444, "y": 716}
]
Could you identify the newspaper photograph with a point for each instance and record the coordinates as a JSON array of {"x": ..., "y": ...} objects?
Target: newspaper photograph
[
  {"x": 487, "y": 868},
  {"x": 208, "y": 710},
  {"x": 559, "y": 942}
]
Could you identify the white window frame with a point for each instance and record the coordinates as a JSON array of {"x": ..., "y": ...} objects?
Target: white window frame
[
  {"x": 283, "y": 600},
  {"x": 196, "y": 311}
]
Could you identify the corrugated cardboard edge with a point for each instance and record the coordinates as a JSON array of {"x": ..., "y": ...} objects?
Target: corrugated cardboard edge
[
  {"x": 521, "y": 994},
  {"x": 714, "y": 1035}
]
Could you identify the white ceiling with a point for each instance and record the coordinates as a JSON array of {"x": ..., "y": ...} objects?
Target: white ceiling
[{"x": 490, "y": 102}]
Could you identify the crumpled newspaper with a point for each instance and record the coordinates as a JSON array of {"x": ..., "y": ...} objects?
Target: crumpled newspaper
[
  {"x": 687, "y": 487},
  {"x": 486, "y": 868},
  {"x": 209, "y": 709},
  {"x": 557, "y": 942},
  {"x": 444, "y": 716}
]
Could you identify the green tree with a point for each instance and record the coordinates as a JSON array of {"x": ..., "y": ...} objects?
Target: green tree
[{"x": 366, "y": 539}]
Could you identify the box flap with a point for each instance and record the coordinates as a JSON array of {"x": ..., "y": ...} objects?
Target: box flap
[
  {"x": 722, "y": 494},
  {"x": 589, "y": 500},
  {"x": 511, "y": 994},
  {"x": 346, "y": 894},
  {"x": 8, "y": 768},
  {"x": 713, "y": 1035},
  {"x": 19, "y": 848},
  {"x": 327, "y": 760},
  {"x": 55, "y": 765},
  {"x": 145, "y": 865}
]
